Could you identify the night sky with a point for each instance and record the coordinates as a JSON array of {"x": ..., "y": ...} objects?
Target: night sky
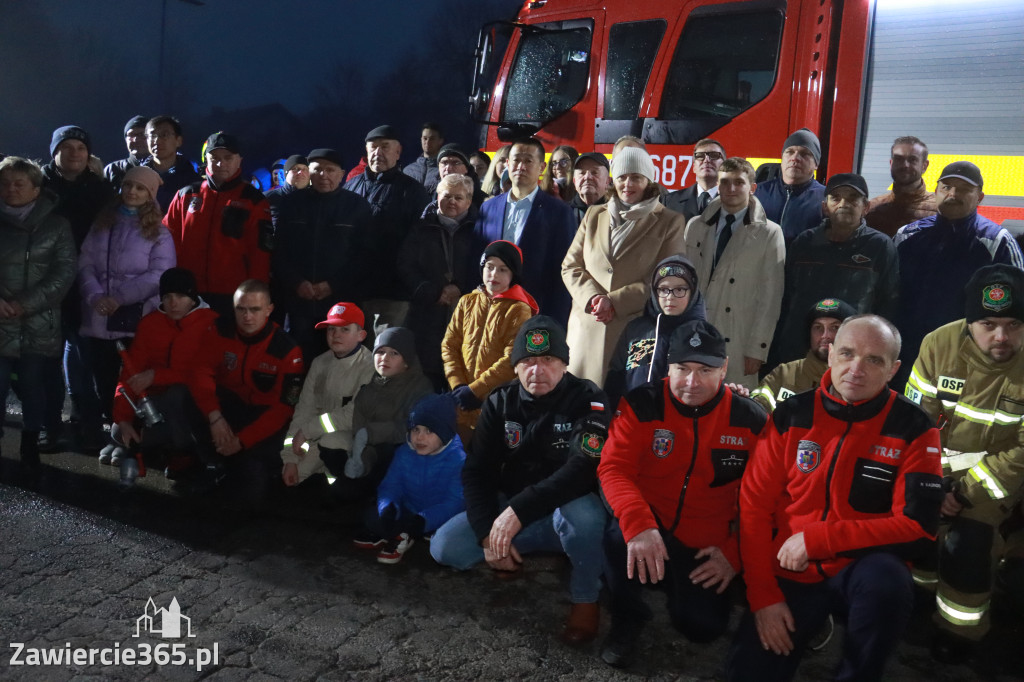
[{"x": 335, "y": 68}]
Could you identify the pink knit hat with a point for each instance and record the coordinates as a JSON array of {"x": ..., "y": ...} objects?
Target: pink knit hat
[{"x": 145, "y": 176}]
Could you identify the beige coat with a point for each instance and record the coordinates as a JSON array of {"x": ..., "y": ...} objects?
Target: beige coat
[
  {"x": 744, "y": 295},
  {"x": 589, "y": 270}
]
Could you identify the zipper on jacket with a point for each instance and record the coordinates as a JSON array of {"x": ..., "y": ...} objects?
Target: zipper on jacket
[
  {"x": 782, "y": 217},
  {"x": 689, "y": 472},
  {"x": 828, "y": 485}
]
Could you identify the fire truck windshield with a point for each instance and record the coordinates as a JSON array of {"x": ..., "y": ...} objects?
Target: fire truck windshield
[{"x": 549, "y": 75}]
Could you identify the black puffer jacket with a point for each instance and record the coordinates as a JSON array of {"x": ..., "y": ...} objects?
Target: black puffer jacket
[
  {"x": 641, "y": 354},
  {"x": 37, "y": 266}
]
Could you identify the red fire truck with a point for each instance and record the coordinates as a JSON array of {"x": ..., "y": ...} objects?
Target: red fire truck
[{"x": 748, "y": 72}]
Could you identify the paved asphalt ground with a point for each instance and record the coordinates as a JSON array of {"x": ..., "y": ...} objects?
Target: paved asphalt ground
[{"x": 284, "y": 596}]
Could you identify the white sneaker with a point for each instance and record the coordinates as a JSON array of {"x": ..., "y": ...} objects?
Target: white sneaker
[{"x": 392, "y": 552}]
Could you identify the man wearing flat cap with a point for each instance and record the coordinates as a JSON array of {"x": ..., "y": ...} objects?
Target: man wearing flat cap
[
  {"x": 590, "y": 176},
  {"x": 318, "y": 254},
  {"x": 793, "y": 200},
  {"x": 969, "y": 377},
  {"x": 671, "y": 473},
  {"x": 396, "y": 202},
  {"x": 221, "y": 226},
  {"x": 841, "y": 257},
  {"x": 530, "y": 478},
  {"x": 940, "y": 253}
]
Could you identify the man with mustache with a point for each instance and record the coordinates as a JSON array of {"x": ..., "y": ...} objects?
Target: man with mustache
[
  {"x": 969, "y": 377},
  {"x": 842, "y": 258},
  {"x": 590, "y": 176},
  {"x": 939, "y": 254}
]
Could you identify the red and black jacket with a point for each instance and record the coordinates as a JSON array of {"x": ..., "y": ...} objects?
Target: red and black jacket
[
  {"x": 222, "y": 234},
  {"x": 262, "y": 370},
  {"x": 670, "y": 466},
  {"x": 854, "y": 478}
]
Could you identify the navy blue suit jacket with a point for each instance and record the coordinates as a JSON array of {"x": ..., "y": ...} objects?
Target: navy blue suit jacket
[{"x": 547, "y": 235}]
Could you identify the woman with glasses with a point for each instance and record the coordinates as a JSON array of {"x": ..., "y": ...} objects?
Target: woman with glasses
[
  {"x": 607, "y": 268},
  {"x": 557, "y": 179},
  {"x": 641, "y": 356}
]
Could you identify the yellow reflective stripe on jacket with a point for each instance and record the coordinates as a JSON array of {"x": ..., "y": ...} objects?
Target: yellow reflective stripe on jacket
[
  {"x": 289, "y": 440},
  {"x": 325, "y": 421},
  {"x": 920, "y": 384},
  {"x": 980, "y": 473},
  {"x": 958, "y": 614},
  {"x": 954, "y": 460},
  {"x": 980, "y": 416},
  {"x": 765, "y": 393}
]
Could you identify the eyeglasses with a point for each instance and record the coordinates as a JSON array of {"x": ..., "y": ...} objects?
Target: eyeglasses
[
  {"x": 561, "y": 163},
  {"x": 713, "y": 156},
  {"x": 677, "y": 292}
]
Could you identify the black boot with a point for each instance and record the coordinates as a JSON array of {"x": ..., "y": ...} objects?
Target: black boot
[{"x": 30, "y": 456}]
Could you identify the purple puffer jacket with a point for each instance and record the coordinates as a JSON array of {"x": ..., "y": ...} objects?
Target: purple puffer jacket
[{"x": 123, "y": 264}]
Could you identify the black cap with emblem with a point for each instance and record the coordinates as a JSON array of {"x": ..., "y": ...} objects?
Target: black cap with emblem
[
  {"x": 697, "y": 341},
  {"x": 995, "y": 291},
  {"x": 540, "y": 335}
]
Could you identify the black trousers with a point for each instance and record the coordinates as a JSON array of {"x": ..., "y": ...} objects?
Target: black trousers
[{"x": 700, "y": 614}]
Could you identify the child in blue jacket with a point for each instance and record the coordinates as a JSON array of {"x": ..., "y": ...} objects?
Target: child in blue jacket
[{"x": 423, "y": 485}]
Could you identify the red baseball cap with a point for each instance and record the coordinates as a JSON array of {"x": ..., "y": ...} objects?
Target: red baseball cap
[{"x": 342, "y": 314}]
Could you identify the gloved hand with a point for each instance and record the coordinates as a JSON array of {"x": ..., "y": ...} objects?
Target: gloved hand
[{"x": 465, "y": 398}]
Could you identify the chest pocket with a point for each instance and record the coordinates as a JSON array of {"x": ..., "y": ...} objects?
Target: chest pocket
[
  {"x": 728, "y": 465},
  {"x": 263, "y": 381},
  {"x": 233, "y": 221},
  {"x": 871, "y": 490}
]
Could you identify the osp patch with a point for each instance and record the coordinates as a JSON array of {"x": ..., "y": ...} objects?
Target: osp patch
[
  {"x": 538, "y": 342},
  {"x": 996, "y": 297},
  {"x": 513, "y": 434},
  {"x": 230, "y": 361},
  {"x": 591, "y": 444},
  {"x": 808, "y": 456},
  {"x": 663, "y": 442}
]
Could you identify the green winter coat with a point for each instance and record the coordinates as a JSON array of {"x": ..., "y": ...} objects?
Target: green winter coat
[{"x": 37, "y": 267}]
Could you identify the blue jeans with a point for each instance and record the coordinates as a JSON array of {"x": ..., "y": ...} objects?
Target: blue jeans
[
  {"x": 33, "y": 374},
  {"x": 576, "y": 528},
  {"x": 875, "y": 594}
]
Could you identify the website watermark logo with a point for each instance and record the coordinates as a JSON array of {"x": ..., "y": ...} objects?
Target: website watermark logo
[{"x": 167, "y": 623}]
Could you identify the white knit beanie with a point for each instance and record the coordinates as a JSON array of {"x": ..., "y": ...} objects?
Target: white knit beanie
[{"x": 632, "y": 160}]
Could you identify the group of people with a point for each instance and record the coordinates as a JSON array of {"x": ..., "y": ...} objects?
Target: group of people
[{"x": 516, "y": 354}]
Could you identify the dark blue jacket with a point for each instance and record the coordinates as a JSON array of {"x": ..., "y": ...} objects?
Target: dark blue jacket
[
  {"x": 547, "y": 235},
  {"x": 937, "y": 257},
  {"x": 181, "y": 174},
  {"x": 795, "y": 207},
  {"x": 426, "y": 485},
  {"x": 397, "y": 202}
]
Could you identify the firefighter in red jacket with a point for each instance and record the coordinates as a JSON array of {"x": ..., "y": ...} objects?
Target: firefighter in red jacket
[
  {"x": 247, "y": 383},
  {"x": 221, "y": 226},
  {"x": 671, "y": 472},
  {"x": 843, "y": 489}
]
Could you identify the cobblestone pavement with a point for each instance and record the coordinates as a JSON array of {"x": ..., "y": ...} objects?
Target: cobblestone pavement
[{"x": 284, "y": 596}]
